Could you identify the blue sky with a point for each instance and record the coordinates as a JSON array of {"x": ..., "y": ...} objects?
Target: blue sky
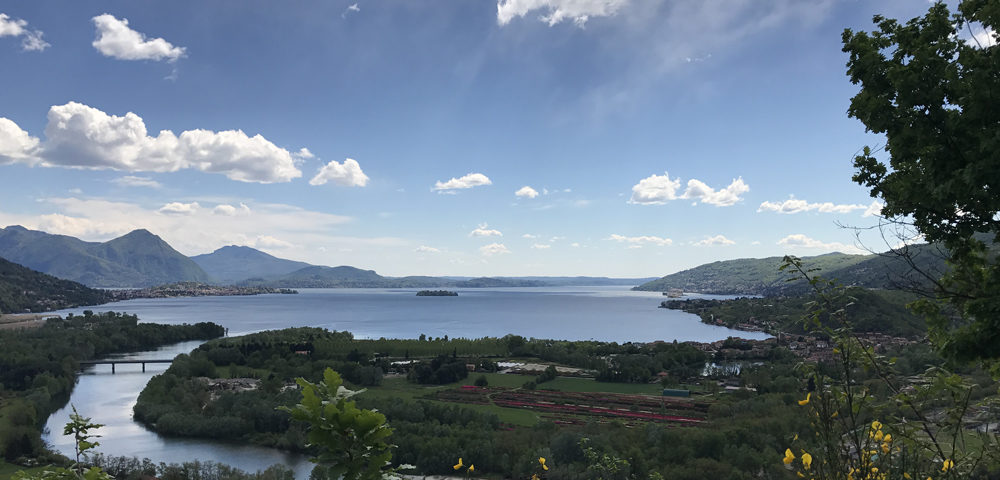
[{"x": 399, "y": 135}]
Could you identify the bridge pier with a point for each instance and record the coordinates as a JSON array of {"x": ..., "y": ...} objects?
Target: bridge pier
[{"x": 112, "y": 367}]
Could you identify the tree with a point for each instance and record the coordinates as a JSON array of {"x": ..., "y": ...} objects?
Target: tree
[
  {"x": 352, "y": 441},
  {"x": 932, "y": 87}
]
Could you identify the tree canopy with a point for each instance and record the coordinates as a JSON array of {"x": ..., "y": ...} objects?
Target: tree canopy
[{"x": 932, "y": 87}]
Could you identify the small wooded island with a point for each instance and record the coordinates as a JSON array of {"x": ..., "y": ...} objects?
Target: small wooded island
[{"x": 437, "y": 293}]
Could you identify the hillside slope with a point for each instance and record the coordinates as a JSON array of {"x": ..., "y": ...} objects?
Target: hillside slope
[
  {"x": 25, "y": 290},
  {"x": 761, "y": 276}
]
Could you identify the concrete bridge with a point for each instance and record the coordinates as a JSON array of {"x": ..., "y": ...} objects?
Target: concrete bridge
[{"x": 115, "y": 362}]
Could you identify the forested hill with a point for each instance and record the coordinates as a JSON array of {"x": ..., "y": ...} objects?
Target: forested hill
[
  {"x": 137, "y": 259},
  {"x": 23, "y": 289},
  {"x": 761, "y": 276}
]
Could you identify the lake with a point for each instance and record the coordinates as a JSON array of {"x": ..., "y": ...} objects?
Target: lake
[{"x": 571, "y": 313}]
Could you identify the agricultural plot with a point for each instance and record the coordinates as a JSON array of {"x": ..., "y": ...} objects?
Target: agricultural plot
[{"x": 576, "y": 408}]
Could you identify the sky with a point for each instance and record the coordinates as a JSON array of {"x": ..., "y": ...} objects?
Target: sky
[{"x": 620, "y": 138}]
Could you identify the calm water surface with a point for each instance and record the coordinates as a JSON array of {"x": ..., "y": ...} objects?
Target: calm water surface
[{"x": 571, "y": 313}]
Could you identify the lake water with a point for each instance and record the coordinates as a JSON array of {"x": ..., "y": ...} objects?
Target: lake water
[{"x": 571, "y": 313}]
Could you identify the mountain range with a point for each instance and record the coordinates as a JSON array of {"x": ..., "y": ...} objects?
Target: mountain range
[
  {"x": 142, "y": 259},
  {"x": 137, "y": 259}
]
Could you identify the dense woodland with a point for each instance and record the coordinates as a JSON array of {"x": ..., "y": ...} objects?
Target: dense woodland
[{"x": 870, "y": 311}]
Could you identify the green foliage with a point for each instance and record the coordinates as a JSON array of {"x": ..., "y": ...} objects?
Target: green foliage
[
  {"x": 869, "y": 420},
  {"x": 352, "y": 442},
  {"x": 78, "y": 426},
  {"x": 932, "y": 94}
]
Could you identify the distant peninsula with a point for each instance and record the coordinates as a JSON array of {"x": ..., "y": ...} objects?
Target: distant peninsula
[
  {"x": 194, "y": 289},
  {"x": 437, "y": 293}
]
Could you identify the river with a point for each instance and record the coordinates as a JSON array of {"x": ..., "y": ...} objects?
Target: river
[{"x": 572, "y": 313}]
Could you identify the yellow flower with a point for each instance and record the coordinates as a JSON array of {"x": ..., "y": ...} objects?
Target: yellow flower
[
  {"x": 800, "y": 474},
  {"x": 907, "y": 476},
  {"x": 789, "y": 457},
  {"x": 472, "y": 468},
  {"x": 947, "y": 465},
  {"x": 534, "y": 476},
  {"x": 541, "y": 460},
  {"x": 885, "y": 448},
  {"x": 878, "y": 436},
  {"x": 807, "y": 460},
  {"x": 803, "y": 402},
  {"x": 876, "y": 425},
  {"x": 459, "y": 464},
  {"x": 888, "y": 438},
  {"x": 796, "y": 437}
]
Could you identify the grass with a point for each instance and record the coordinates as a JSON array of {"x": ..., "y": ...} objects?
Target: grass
[{"x": 400, "y": 388}]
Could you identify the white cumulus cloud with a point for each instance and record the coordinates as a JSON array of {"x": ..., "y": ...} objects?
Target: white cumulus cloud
[
  {"x": 484, "y": 230},
  {"x": 636, "y": 242},
  {"x": 466, "y": 181},
  {"x": 178, "y": 208},
  {"x": 541, "y": 246},
  {"x": 555, "y": 11},
  {"x": 526, "y": 191},
  {"x": 660, "y": 189},
  {"x": 80, "y": 136},
  {"x": 347, "y": 174},
  {"x": 717, "y": 240},
  {"x": 31, "y": 40},
  {"x": 16, "y": 145},
  {"x": 798, "y": 241},
  {"x": 493, "y": 249},
  {"x": 795, "y": 205},
  {"x": 116, "y": 40},
  {"x": 426, "y": 249}
]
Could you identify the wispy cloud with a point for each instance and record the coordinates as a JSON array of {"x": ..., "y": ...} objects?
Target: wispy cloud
[
  {"x": 493, "y": 249},
  {"x": 794, "y": 205},
  {"x": 801, "y": 241},
  {"x": 639, "y": 241},
  {"x": 31, "y": 40},
  {"x": 133, "y": 181}
]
